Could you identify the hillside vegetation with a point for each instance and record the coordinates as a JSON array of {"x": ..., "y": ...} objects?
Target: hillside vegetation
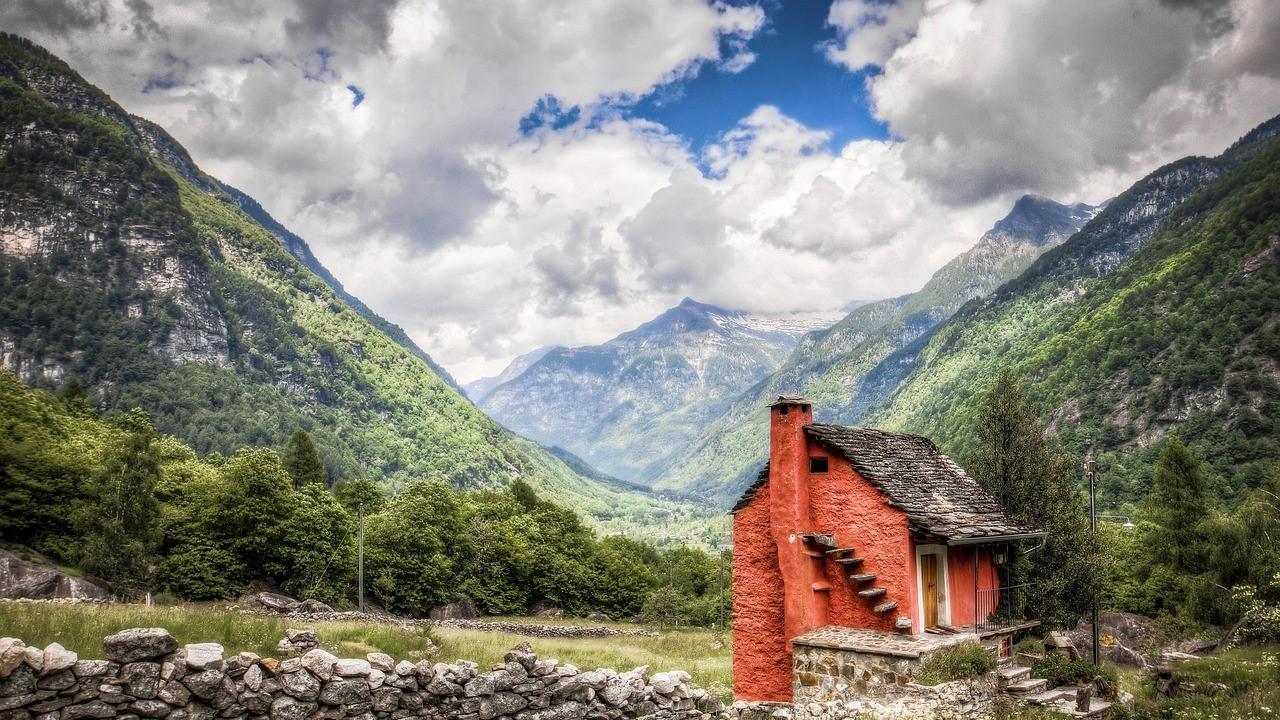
[{"x": 1162, "y": 316}]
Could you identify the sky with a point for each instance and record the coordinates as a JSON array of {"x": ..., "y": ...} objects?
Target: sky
[{"x": 500, "y": 176}]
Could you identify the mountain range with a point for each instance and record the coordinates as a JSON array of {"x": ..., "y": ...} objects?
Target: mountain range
[
  {"x": 630, "y": 405},
  {"x": 127, "y": 269}
]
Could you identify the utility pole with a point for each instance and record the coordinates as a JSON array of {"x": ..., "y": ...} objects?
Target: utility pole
[
  {"x": 360, "y": 560},
  {"x": 1091, "y": 469}
]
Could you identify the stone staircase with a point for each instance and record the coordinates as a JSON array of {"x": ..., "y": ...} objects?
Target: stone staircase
[
  {"x": 1015, "y": 682},
  {"x": 823, "y": 546}
]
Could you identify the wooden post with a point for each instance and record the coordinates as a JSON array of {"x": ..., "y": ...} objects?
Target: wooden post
[{"x": 360, "y": 561}]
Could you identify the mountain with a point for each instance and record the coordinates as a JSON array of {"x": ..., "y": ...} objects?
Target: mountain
[
  {"x": 478, "y": 389},
  {"x": 842, "y": 368},
  {"x": 631, "y": 404},
  {"x": 126, "y": 268},
  {"x": 1162, "y": 315}
]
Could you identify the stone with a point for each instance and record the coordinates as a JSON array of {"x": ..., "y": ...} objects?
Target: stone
[
  {"x": 256, "y": 702},
  {"x": 150, "y": 708},
  {"x": 200, "y": 711},
  {"x": 351, "y": 668},
  {"x": 204, "y": 684},
  {"x": 460, "y": 609},
  {"x": 57, "y": 681},
  {"x": 240, "y": 663},
  {"x": 33, "y": 657},
  {"x": 252, "y": 678},
  {"x": 94, "y": 709},
  {"x": 664, "y": 683},
  {"x": 56, "y": 659},
  {"x": 482, "y": 684},
  {"x": 49, "y": 705},
  {"x": 404, "y": 668},
  {"x": 275, "y": 601},
  {"x": 288, "y": 708},
  {"x": 598, "y": 616},
  {"x": 386, "y": 699},
  {"x": 139, "y": 644},
  {"x": 204, "y": 656},
  {"x": 93, "y": 668},
  {"x": 522, "y": 654},
  {"x": 503, "y": 703},
  {"x": 225, "y": 696},
  {"x": 345, "y": 692},
  {"x": 12, "y": 656},
  {"x": 20, "y": 579},
  {"x": 381, "y": 661},
  {"x": 301, "y": 685},
  {"x": 175, "y": 693},
  {"x": 311, "y": 606},
  {"x": 439, "y": 686},
  {"x": 301, "y": 637},
  {"x": 376, "y": 678},
  {"x": 319, "y": 662},
  {"x": 141, "y": 679}
]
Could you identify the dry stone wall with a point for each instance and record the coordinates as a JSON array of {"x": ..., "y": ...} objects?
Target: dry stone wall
[{"x": 146, "y": 675}]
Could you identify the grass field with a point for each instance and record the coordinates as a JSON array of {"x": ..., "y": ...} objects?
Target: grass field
[{"x": 704, "y": 654}]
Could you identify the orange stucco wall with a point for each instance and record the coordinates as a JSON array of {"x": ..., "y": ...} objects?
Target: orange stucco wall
[
  {"x": 960, "y": 577},
  {"x": 775, "y": 584},
  {"x": 761, "y": 658}
]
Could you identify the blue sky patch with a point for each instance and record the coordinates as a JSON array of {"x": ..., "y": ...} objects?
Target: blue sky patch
[{"x": 357, "y": 95}]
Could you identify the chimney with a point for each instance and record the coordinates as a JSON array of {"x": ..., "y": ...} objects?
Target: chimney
[{"x": 789, "y": 515}]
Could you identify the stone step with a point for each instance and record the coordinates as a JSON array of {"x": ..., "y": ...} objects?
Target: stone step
[
  {"x": 862, "y": 577},
  {"x": 823, "y": 539},
  {"x": 1048, "y": 697},
  {"x": 1027, "y": 686},
  {"x": 874, "y": 592},
  {"x": 885, "y": 607},
  {"x": 816, "y": 555},
  {"x": 837, "y": 551},
  {"x": 849, "y": 560},
  {"x": 1012, "y": 673}
]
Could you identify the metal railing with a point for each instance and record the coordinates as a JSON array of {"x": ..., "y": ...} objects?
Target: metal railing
[{"x": 1005, "y": 604}]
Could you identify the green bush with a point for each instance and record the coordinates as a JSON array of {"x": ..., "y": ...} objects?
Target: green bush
[
  {"x": 1058, "y": 670},
  {"x": 966, "y": 660}
]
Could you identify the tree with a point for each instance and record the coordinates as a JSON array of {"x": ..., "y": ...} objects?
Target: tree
[
  {"x": 302, "y": 460},
  {"x": 250, "y": 507},
  {"x": 316, "y": 548},
  {"x": 1179, "y": 503},
  {"x": 412, "y": 548},
  {"x": 1034, "y": 482},
  {"x": 117, "y": 520},
  {"x": 353, "y": 493}
]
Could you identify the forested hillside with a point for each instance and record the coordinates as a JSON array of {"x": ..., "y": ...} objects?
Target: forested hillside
[
  {"x": 1161, "y": 317},
  {"x": 142, "y": 510},
  {"x": 125, "y": 268},
  {"x": 843, "y": 369}
]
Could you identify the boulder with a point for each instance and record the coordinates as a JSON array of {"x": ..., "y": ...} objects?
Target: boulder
[
  {"x": 460, "y": 609},
  {"x": 503, "y": 703},
  {"x": 320, "y": 663},
  {"x": 348, "y": 667},
  {"x": 311, "y": 606},
  {"x": 274, "y": 601},
  {"x": 22, "y": 579},
  {"x": 12, "y": 653},
  {"x": 287, "y": 708},
  {"x": 345, "y": 692},
  {"x": 141, "y": 679},
  {"x": 301, "y": 685},
  {"x": 598, "y": 616},
  {"x": 204, "y": 684},
  {"x": 550, "y": 612},
  {"x": 136, "y": 644},
  {"x": 381, "y": 661}
]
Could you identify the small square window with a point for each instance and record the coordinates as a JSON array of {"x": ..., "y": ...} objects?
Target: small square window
[
  {"x": 817, "y": 464},
  {"x": 784, "y": 409}
]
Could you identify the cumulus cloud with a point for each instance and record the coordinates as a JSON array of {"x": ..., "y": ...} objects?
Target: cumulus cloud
[
  {"x": 483, "y": 241},
  {"x": 1061, "y": 97}
]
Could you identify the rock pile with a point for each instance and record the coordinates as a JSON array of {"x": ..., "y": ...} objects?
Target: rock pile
[
  {"x": 539, "y": 630},
  {"x": 146, "y": 675},
  {"x": 297, "y": 641}
]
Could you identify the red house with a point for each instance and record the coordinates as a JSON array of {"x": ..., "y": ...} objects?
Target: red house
[{"x": 861, "y": 532}]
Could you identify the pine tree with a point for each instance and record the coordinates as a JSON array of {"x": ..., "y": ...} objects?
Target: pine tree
[
  {"x": 302, "y": 460},
  {"x": 1179, "y": 503},
  {"x": 118, "y": 520},
  {"x": 1035, "y": 484}
]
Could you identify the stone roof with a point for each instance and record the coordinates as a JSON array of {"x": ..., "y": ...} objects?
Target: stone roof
[
  {"x": 940, "y": 500},
  {"x": 750, "y": 494}
]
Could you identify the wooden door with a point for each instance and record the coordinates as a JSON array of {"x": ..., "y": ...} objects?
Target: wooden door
[{"x": 929, "y": 586}]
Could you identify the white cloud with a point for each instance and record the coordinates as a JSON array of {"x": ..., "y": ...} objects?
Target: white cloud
[
  {"x": 483, "y": 243},
  {"x": 1057, "y": 97}
]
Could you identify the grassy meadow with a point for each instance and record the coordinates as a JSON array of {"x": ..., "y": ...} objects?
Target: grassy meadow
[{"x": 703, "y": 653}]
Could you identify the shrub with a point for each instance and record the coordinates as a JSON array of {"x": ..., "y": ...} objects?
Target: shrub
[
  {"x": 1058, "y": 670},
  {"x": 966, "y": 660}
]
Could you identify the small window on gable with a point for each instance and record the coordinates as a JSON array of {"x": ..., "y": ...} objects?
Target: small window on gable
[
  {"x": 817, "y": 464},
  {"x": 784, "y": 409}
]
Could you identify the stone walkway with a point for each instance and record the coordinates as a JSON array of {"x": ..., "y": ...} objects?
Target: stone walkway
[{"x": 876, "y": 642}]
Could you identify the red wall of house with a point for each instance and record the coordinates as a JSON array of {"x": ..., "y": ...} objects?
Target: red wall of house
[
  {"x": 761, "y": 656},
  {"x": 847, "y": 505},
  {"x": 774, "y": 581},
  {"x": 960, "y": 578}
]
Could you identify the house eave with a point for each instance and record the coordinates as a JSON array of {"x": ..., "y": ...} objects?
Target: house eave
[{"x": 987, "y": 539}]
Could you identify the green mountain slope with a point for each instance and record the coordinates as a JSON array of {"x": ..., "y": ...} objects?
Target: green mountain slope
[
  {"x": 126, "y": 268},
  {"x": 840, "y": 369},
  {"x": 1160, "y": 316}
]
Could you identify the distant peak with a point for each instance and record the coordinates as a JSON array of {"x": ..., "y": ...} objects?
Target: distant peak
[{"x": 1034, "y": 217}]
